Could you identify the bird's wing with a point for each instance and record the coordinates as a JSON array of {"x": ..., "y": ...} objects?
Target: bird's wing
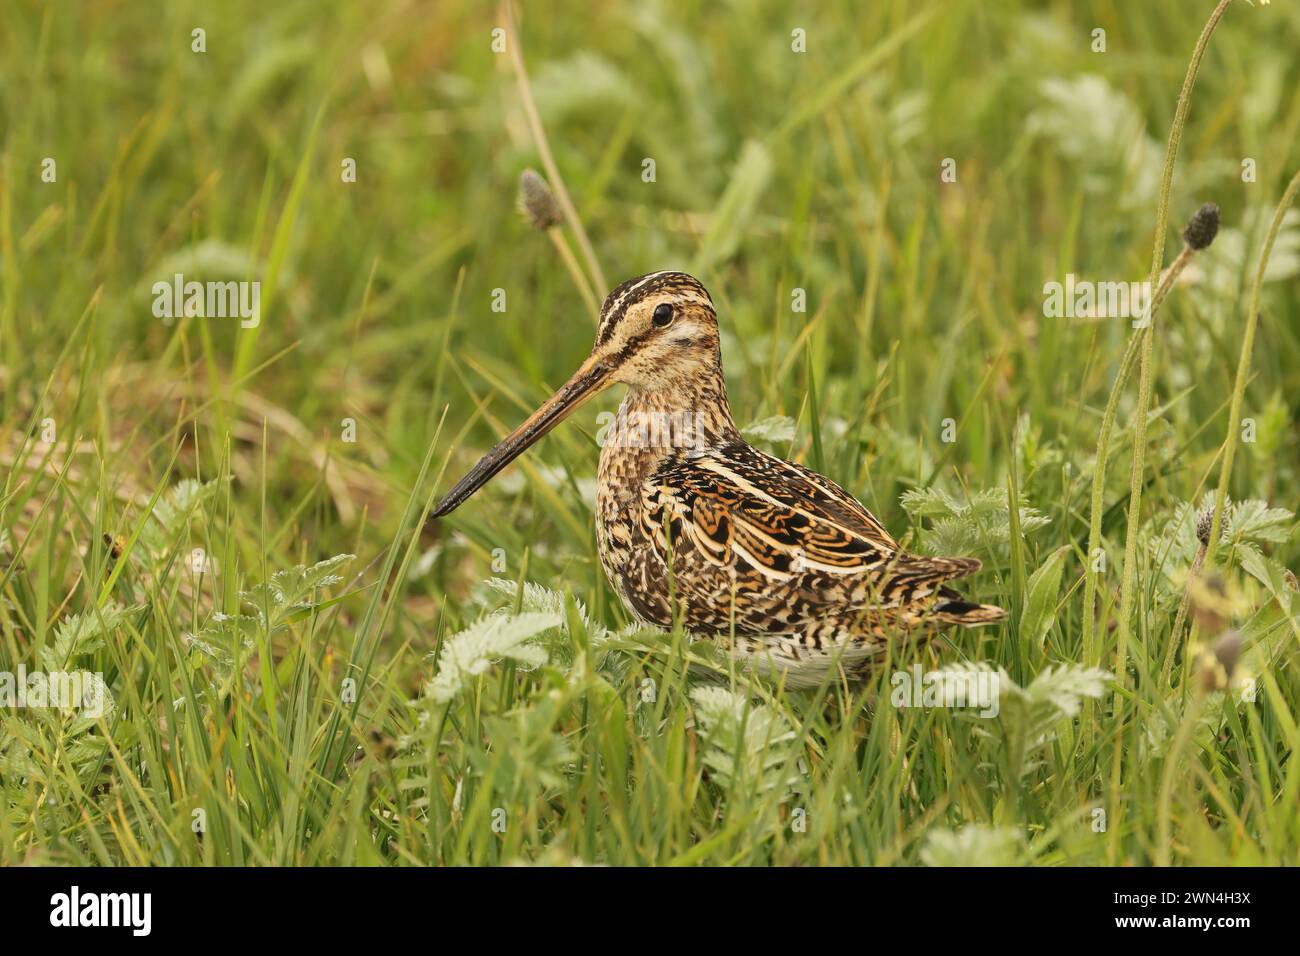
[
  {"x": 741, "y": 508},
  {"x": 790, "y": 541}
]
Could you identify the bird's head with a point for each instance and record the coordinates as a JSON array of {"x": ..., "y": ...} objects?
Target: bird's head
[{"x": 657, "y": 331}]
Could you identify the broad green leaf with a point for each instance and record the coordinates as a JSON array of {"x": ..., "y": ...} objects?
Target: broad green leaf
[{"x": 1041, "y": 597}]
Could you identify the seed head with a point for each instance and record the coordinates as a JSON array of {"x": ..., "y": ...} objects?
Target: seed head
[
  {"x": 1202, "y": 227},
  {"x": 1205, "y": 523},
  {"x": 1217, "y": 663},
  {"x": 1211, "y": 607},
  {"x": 537, "y": 202}
]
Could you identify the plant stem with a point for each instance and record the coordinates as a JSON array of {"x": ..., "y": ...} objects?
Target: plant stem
[
  {"x": 1164, "y": 811},
  {"x": 1145, "y": 372},
  {"x": 515, "y": 49},
  {"x": 575, "y": 271},
  {"x": 1091, "y": 654},
  {"x": 1147, "y": 338},
  {"x": 1243, "y": 366},
  {"x": 1181, "y": 617}
]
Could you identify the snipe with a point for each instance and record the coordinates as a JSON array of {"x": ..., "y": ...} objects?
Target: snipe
[{"x": 781, "y": 565}]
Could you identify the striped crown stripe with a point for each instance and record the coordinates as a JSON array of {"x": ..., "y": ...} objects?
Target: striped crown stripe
[{"x": 634, "y": 290}]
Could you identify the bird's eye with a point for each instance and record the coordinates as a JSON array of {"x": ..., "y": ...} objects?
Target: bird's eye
[{"x": 663, "y": 314}]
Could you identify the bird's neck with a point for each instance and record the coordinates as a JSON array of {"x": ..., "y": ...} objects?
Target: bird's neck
[
  {"x": 655, "y": 423},
  {"x": 691, "y": 413}
]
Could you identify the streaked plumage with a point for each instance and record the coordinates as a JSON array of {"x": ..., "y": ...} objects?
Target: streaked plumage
[{"x": 779, "y": 563}]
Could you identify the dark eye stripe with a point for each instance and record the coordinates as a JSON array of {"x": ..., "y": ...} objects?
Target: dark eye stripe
[{"x": 636, "y": 290}]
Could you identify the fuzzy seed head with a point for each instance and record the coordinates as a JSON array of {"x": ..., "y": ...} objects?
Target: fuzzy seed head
[
  {"x": 1212, "y": 609},
  {"x": 1205, "y": 524},
  {"x": 537, "y": 202},
  {"x": 1202, "y": 227},
  {"x": 1218, "y": 662}
]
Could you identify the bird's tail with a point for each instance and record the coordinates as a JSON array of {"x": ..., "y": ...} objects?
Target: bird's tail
[
  {"x": 952, "y": 608},
  {"x": 967, "y": 614}
]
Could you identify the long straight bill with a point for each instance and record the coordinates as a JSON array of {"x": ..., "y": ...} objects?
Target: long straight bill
[{"x": 586, "y": 382}]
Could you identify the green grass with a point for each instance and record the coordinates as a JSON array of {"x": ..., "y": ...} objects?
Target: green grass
[{"x": 322, "y": 719}]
